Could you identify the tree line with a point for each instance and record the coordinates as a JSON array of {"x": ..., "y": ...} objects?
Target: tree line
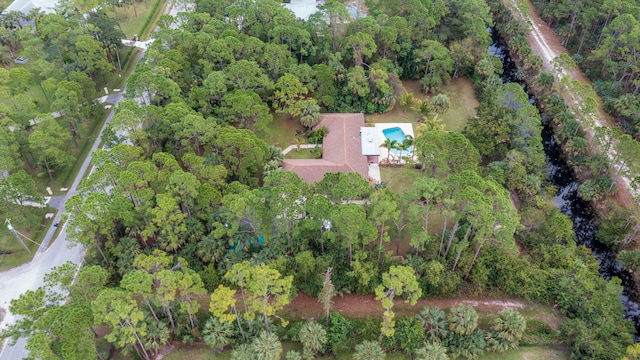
[
  {"x": 68, "y": 54},
  {"x": 603, "y": 37}
]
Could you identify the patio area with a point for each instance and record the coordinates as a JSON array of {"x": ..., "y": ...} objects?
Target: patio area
[{"x": 396, "y": 156}]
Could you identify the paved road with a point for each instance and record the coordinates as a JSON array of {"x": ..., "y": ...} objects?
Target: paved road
[{"x": 30, "y": 276}]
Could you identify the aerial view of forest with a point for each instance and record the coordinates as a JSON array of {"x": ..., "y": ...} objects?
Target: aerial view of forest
[{"x": 367, "y": 179}]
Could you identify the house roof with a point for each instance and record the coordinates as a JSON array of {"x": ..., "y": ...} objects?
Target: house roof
[
  {"x": 24, "y": 6},
  {"x": 369, "y": 139},
  {"x": 341, "y": 150}
]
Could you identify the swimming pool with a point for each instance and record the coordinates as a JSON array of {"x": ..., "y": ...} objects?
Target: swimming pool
[{"x": 395, "y": 133}]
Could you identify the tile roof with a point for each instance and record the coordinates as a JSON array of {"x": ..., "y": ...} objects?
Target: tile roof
[{"x": 341, "y": 150}]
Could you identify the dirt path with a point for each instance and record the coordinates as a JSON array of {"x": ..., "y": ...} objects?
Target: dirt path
[
  {"x": 360, "y": 306},
  {"x": 546, "y": 43}
]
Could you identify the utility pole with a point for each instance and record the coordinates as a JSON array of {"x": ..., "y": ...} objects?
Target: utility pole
[{"x": 18, "y": 235}]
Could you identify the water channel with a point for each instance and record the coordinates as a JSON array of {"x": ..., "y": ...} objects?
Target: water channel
[
  {"x": 568, "y": 201},
  {"x": 561, "y": 175}
]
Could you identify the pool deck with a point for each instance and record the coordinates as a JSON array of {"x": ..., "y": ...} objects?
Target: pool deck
[{"x": 407, "y": 129}]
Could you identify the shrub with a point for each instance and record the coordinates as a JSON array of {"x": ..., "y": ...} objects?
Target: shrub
[{"x": 339, "y": 336}]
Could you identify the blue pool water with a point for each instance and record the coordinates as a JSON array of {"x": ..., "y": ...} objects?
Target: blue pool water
[{"x": 395, "y": 133}]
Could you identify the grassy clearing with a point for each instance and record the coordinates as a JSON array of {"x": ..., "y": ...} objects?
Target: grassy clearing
[
  {"x": 463, "y": 102},
  {"x": 29, "y": 221},
  {"x": 302, "y": 154},
  {"x": 282, "y": 131},
  {"x": 463, "y": 105},
  {"x": 133, "y": 20},
  {"x": 399, "y": 179},
  {"x": 460, "y": 92},
  {"x": 203, "y": 352},
  {"x": 396, "y": 115},
  {"x": 37, "y": 96},
  {"x": 196, "y": 352}
]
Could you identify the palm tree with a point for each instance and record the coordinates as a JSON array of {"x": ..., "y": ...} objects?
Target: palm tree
[
  {"x": 406, "y": 144},
  {"x": 369, "y": 350},
  {"x": 433, "y": 124},
  {"x": 309, "y": 113},
  {"x": 440, "y": 104},
  {"x": 266, "y": 347},
  {"x": 463, "y": 320},
  {"x": 508, "y": 329},
  {"x": 389, "y": 144},
  {"x": 293, "y": 355},
  {"x": 467, "y": 346},
  {"x": 313, "y": 337},
  {"x": 423, "y": 108},
  {"x": 217, "y": 334},
  {"x": 242, "y": 352},
  {"x": 157, "y": 335},
  {"x": 407, "y": 101},
  {"x": 435, "y": 324},
  {"x": 432, "y": 352}
]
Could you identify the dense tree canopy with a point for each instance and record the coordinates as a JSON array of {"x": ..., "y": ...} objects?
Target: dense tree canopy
[{"x": 190, "y": 203}]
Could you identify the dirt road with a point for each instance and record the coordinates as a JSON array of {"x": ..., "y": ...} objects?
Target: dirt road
[
  {"x": 360, "y": 306},
  {"x": 545, "y": 43}
]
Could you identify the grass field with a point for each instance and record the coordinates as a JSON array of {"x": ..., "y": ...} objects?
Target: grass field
[
  {"x": 133, "y": 20},
  {"x": 302, "y": 154},
  {"x": 29, "y": 221},
  {"x": 399, "y": 179},
  {"x": 463, "y": 104},
  {"x": 282, "y": 131},
  {"x": 203, "y": 352}
]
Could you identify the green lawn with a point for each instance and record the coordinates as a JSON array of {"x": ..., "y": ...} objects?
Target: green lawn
[
  {"x": 29, "y": 221},
  {"x": 133, "y": 20},
  {"x": 282, "y": 131},
  {"x": 203, "y": 352},
  {"x": 462, "y": 97},
  {"x": 463, "y": 104},
  {"x": 399, "y": 179},
  {"x": 302, "y": 154}
]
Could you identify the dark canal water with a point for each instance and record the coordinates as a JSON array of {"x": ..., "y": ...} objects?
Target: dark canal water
[{"x": 568, "y": 201}]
